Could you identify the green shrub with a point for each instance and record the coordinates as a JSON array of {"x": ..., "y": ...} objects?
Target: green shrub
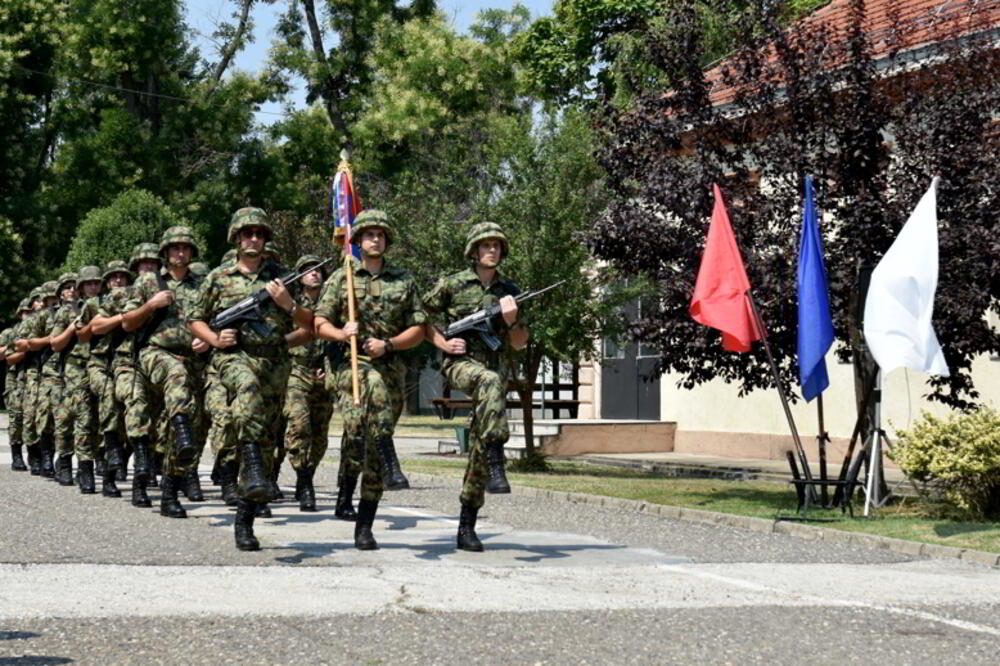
[
  {"x": 135, "y": 216},
  {"x": 960, "y": 455}
]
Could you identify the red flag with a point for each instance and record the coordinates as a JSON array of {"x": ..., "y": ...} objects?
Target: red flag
[{"x": 720, "y": 292}]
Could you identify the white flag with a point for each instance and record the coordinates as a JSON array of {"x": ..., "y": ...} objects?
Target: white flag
[{"x": 900, "y": 300}]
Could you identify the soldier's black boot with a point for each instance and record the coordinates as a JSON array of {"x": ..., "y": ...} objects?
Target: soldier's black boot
[
  {"x": 100, "y": 466},
  {"x": 64, "y": 470},
  {"x": 345, "y": 491},
  {"x": 185, "y": 450},
  {"x": 304, "y": 489},
  {"x": 113, "y": 452},
  {"x": 126, "y": 455},
  {"x": 254, "y": 483},
  {"x": 139, "y": 497},
  {"x": 87, "y": 485},
  {"x": 156, "y": 468},
  {"x": 192, "y": 486},
  {"x": 214, "y": 476},
  {"x": 16, "y": 459},
  {"x": 227, "y": 482},
  {"x": 169, "y": 506},
  {"x": 263, "y": 511},
  {"x": 141, "y": 460},
  {"x": 34, "y": 459},
  {"x": 245, "y": 512},
  {"x": 392, "y": 475},
  {"x": 496, "y": 482},
  {"x": 48, "y": 469},
  {"x": 363, "y": 539},
  {"x": 276, "y": 495},
  {"x": 108, "y": 486},
  {"x": 467, "y": 539}
]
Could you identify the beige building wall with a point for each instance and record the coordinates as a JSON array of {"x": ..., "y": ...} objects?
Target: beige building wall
[{"x": 713, "y": 419}]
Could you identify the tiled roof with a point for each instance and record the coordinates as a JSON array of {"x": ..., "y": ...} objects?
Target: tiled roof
[{"x": 919, "y": 20}]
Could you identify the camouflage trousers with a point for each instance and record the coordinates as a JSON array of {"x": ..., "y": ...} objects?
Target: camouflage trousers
[
  {"x": 308, "y": 407},
  {"x": 164, "y": 384},
  {"x": 13, "y": 391},
  {"x": 220, "y": 434},
  {"x": 381, "y": 386},
  {"x": 110, "y": 409},
  {"x": 29, "y": 406},
  {"x": 50, "y": 415},
  {"x": 488, "y": 421},
  {"x": 82, "y": 406},
  {"x": 256, "y": 387}
]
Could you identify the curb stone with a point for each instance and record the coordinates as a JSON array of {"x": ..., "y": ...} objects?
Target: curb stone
[{"x": 752, "y": 524}]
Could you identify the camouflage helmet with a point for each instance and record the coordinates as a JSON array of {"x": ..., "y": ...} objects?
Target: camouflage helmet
[
  {"x": 248, "y": 217},
  {"x": 481, "y": 232},
  {"x": 88, "y": 274},
  {"x": 24, "y": 305},
  {"x": 36, "y": 294},
  {"x": 228, "y": 257},
  {"x": 308, "y": 260},
  {"x": 142, "y": 251},
  {"x": 178, "y": 235},
  {"x": 63, "y": 279},
  {"x": 50, "y": 289},
  {"x": 117, "y": 266},
  {"x": 373, "y": 218},
  {"x": 271, "y": 248},
  {"x": 199, "y": 268}
]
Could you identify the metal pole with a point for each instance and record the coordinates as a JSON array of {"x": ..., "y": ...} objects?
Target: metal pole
[
  {"x": 821, "y": 440},
  {"x": 875, "y": 462},
  {"x": 781, "y": 392}
]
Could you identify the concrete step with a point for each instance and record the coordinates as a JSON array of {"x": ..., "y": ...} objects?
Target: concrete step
[{"x": 543, "y": 428}]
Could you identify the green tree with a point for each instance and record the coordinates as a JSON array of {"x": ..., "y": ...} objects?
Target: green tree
[
  {"x": 108, "y": 233},
  {"x": 542, "y": 184}
]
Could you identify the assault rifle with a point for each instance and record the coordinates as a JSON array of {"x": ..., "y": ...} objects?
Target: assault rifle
[
  {"x": 484, "y": 321},
  {"x": 248, "y": 310}
]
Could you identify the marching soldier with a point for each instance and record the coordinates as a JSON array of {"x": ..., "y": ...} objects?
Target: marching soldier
[
  {"x": 252, "y": 359},
  {"x": 14, "y": 387},
  {"x": 308, "y": 404},
  {"x": 471, "y": 367},
  {"x": 31, "y": 343},
  {"x": 49, "y": 386},
  {"x": 160, "y": 301},
  {"x": 57, "y": 415},
  {"x": 108, "y": 321},
  {"x": 390, "y": 319}
]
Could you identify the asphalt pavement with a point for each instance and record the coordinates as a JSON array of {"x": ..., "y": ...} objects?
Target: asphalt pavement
[{"x": 86, "y": 579}]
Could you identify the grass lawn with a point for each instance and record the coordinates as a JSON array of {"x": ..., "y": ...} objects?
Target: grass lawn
[
  {"x": 911, "y": 519},
  {"x": 415, "y": 426}
]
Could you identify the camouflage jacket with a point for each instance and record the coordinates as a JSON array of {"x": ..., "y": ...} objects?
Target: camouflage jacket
[
  {"x": 173, "y": 333},
  {"x": 227, "y": 285},
  {"x": 65, "y": 317},
  {"x": 387, "y": 303},
  {"x": 112, "y": 304},
  {"x": 58, "y": 322},
  {"x": 459, "y": 295},
  {"x": 307, "y": 355}
]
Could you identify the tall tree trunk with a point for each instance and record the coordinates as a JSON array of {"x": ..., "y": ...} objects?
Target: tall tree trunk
[
  {"x": 327, "y": 86},
  {"x": 526, "y": 389}
]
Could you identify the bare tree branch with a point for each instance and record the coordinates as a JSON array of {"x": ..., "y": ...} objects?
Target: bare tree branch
[{"x": 234, "y": 44}]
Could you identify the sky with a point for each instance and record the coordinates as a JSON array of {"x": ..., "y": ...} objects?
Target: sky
[{"x": 202, "y": 15}]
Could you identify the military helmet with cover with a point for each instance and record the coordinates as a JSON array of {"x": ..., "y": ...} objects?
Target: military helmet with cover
[
  {"x": 24, "y": 305},
  {"x": 481, "y": 232},
  {"x": 142, "y": 251},
  {"x": 308, "y": 260},
  {"x": 63, "y": 279},
  {"x": 117, "y": 266},
  {"x": 373, "y": 218},
  {"x": 88, "y": 274},
  {"x": 179, "y": 234},
  {"x": 249, "y": 217},
  {"x": 271, "y": 248},
  {"x": 50, "y": 289}
]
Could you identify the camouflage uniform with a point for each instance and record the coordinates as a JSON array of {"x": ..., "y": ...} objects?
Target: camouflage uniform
[
  {"x": 48, "y": 387},
  {"x": 33, "y": 326},
  {"x": 254, "y": 373},
  {"x": 13, "y": 391},
  {"x": 479, "y": 373},
  {"x": 53, "y": 376},
  {"x": 308, "y": 404},
  {"x": 387, "y": 304}
]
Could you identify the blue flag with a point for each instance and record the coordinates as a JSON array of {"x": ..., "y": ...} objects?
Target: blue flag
[{"x": 815, "y": 325}]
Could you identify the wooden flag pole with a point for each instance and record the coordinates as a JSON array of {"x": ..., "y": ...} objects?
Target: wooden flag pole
[
  {"x": 352, "y": 314},
  {"x": 821, "y": 439},
  {"x": 800, "y": 452}
]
